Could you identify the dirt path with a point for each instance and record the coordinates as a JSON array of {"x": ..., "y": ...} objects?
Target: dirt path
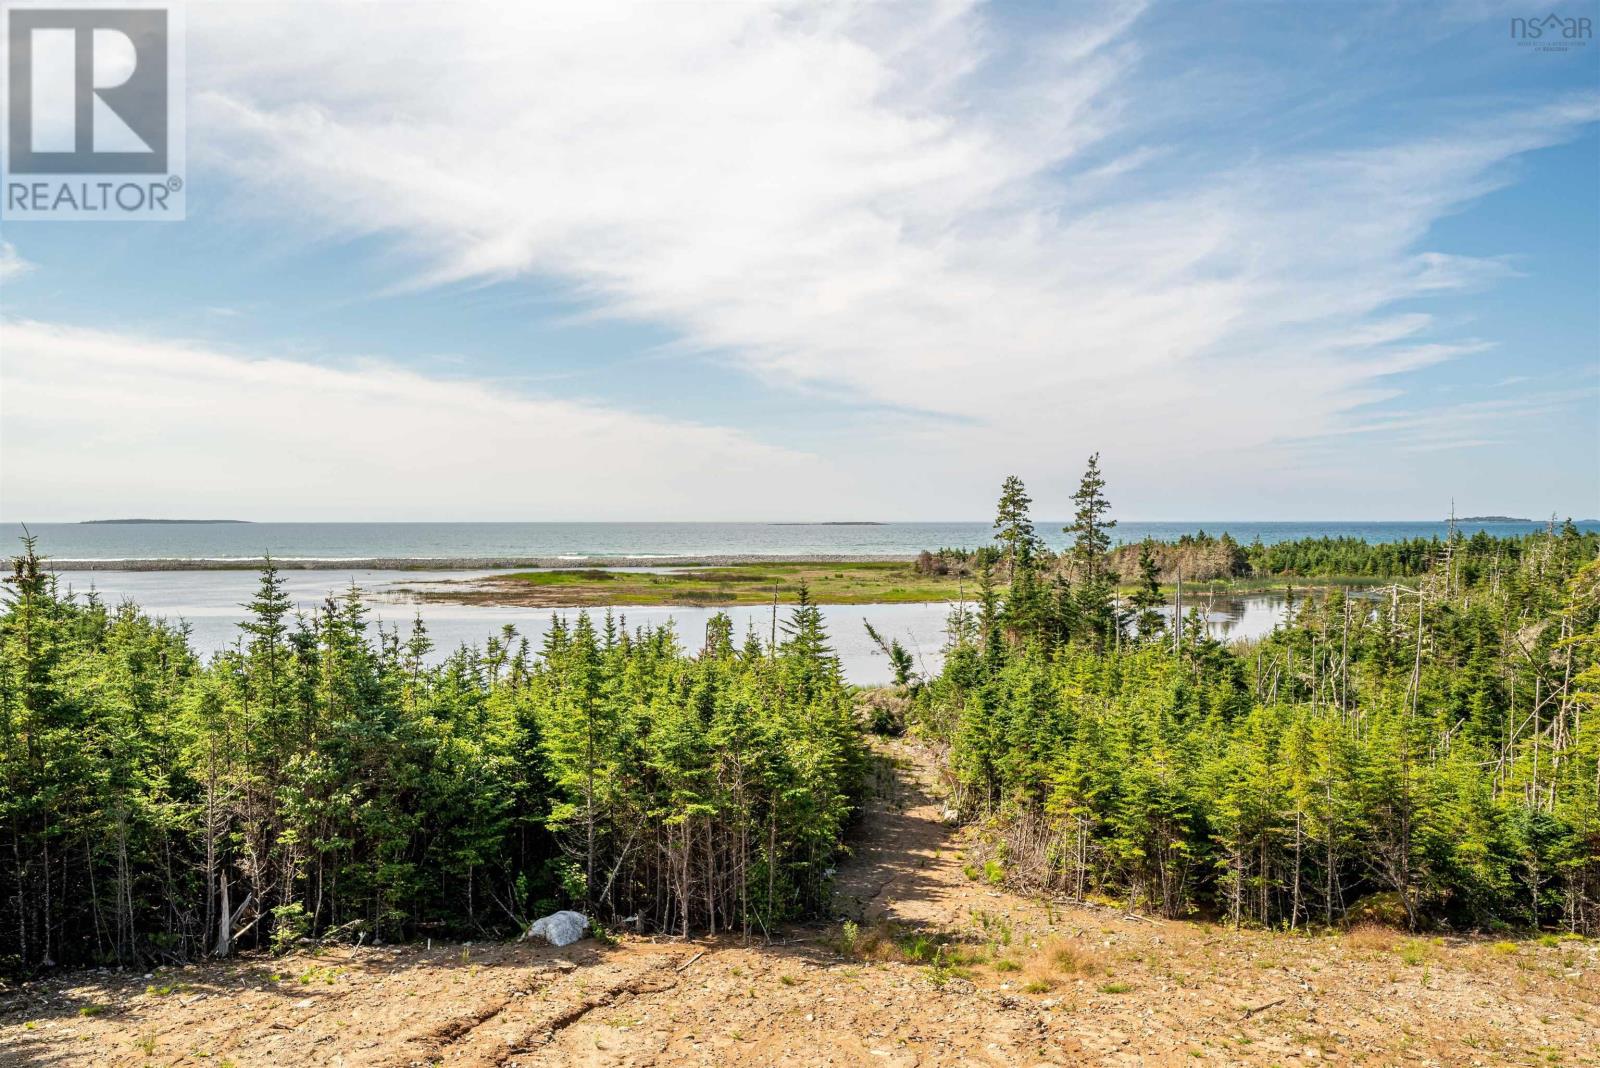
[
  {"x": 1024, "y": 983},
  {"x": 903, "y": 865}
]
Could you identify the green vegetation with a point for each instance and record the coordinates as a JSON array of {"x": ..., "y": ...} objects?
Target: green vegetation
[
  {"x": 1146, "y": 571},
  {"x": 733, "y": 584},
  {"x": 1220, "y": 562},
  {"x": 319, "y": 780},
  {"x": 1425, "y": 753},
  {"x": 1429, "y": 751},
  {"x": 947, "y": 956}
]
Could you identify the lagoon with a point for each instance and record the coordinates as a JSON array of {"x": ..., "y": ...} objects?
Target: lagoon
[{"x": 211, "y": 603}]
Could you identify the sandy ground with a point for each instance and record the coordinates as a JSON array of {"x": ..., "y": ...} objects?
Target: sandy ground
[{"x": 1043, "y": 984}]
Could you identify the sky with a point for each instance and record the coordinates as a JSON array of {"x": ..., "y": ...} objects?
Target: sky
[{"x": 794, "y": 261}]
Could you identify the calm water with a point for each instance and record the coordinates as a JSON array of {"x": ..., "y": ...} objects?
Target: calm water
[
  {"x": 211, "y": 603},
  {"x": 66, "y": 542}
]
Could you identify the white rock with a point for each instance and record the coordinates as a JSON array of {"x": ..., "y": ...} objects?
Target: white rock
[{"x": 559, "y": 928}]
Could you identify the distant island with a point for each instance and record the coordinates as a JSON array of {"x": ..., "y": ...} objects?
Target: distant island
[
  {"x": 1493, "y": 519},
  {"x": 94, "y": 522}
]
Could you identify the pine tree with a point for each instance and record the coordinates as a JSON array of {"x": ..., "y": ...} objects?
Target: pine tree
[
  {"x": 1147, "y": 598},
  {"x": 1093, "y": 585},
  {"x": 1014, "y": 527}
]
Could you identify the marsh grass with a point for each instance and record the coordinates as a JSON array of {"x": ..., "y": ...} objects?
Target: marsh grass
[{"x": 832, "y": 583}]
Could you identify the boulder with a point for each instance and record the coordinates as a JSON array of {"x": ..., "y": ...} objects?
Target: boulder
[{"x": 559, "y": 928}]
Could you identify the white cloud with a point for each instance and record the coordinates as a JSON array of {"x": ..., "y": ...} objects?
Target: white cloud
[
  {"x": 888, "y": 203},
  {"x": 898, "y": 204},
  {"x": 94, "y": 425},
  {"x": 12, "y": 265}
]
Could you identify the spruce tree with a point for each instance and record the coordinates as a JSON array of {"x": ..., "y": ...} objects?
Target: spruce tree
[
  {"x": 1093, "y": 584},
  {"x": 1147, "y": 598},
  {"x": 1013, "y": 525}
]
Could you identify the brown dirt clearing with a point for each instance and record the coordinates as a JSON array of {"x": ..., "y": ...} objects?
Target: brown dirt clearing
[{"x": 1017, "y": 982}]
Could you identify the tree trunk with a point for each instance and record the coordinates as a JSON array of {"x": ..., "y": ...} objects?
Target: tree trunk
[{"x": 224, "y": 943}]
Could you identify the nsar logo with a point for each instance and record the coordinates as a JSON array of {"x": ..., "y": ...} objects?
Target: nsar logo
[{"x": 1552, "y": 33}]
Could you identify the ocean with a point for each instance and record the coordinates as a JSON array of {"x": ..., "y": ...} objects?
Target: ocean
[
  {"x": 209, "y": 602},
  {"x": 446, "y": 542}
]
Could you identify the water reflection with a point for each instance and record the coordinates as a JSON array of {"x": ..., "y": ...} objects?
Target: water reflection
[
  {"x": 1236, "y": 616},
  {"x": 212, "y": 604}
]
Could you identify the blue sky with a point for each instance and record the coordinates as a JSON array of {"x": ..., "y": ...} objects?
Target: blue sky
[{"x": 1271, "y": 260}]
